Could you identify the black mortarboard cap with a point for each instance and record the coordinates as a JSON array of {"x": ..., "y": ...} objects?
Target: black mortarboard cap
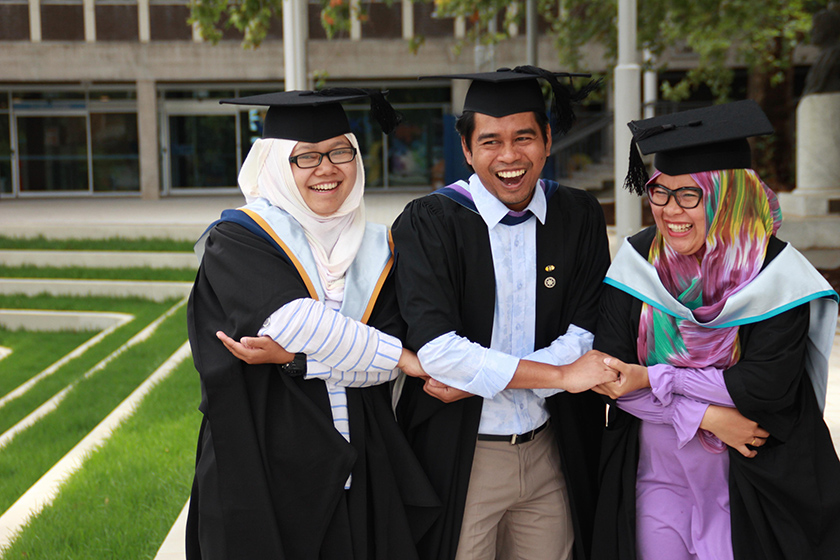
[
  {"x": 313, "y": 116},
  {"x": 506, "y": 92},
  {"x": 704, "y": 139}
]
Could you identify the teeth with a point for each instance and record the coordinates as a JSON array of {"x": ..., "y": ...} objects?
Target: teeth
[
  {"x": 324, "y": 187},
  {"x": 511, "y": 174},
  {"x": 679, "y": 228}
]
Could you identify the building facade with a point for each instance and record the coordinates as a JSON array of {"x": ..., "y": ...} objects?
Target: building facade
[{"x": 120, "y": 97}]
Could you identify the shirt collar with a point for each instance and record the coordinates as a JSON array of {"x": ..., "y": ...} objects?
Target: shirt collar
[{"x": 492, "y": 210}]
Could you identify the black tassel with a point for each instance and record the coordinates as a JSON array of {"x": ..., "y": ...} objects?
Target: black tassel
[
  {"x": 561, "y": 102},
  {"x": 384, "y": 113},
  {"x": 637, "y": 174}
]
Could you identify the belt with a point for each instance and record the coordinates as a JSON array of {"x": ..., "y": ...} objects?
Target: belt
[{"x": 514, "y": 439}]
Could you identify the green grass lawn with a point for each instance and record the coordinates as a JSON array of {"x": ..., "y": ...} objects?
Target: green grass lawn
[
  {"x": 123, "y": 501},
  {"x": 28, "y": 357},
  {"x": 111, "y": 244},
  {"x": 144, "y": 312},
  {"x": 35, "y": 450},
  {"x": 84, "y": 273}
]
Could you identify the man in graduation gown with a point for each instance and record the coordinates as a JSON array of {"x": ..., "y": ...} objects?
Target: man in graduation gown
[{"x": 498, "y": 279}]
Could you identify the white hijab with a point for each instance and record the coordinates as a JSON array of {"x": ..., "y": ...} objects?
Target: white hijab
[{"x": 334, "y": 239}]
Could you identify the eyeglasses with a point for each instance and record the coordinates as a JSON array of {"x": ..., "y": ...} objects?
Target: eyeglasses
[
  {"x": 309, "y": 160},
  {"x": 686, "y": 197}
]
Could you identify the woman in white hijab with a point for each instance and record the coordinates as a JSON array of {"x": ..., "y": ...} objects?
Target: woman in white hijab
[{"x": 302, "y": 459}]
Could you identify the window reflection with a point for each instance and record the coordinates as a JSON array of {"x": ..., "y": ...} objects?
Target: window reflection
[
  {"x": 116, "y": 161},
  {"x": 5, "y": 155},
  {"x": 53, "y": 154},
  {"x": 202, "y": 151}
]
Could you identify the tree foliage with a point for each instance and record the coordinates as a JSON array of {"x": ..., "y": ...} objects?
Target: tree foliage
[
  {"x": 254, "y": 17},
  {"x": 759, "y": 35}
]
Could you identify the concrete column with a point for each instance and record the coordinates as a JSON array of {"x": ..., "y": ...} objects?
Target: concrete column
[
  {"x": 628, "y": 102},
  {"x": 459, "y": 95},
  {"x": 407, "y": 19},
  {"x": 513, "y": 29},
  {"x": 90, "y": 21},
  {"x": 35, "y": 21},
  {"x": 650, "y": 88},
  {"x": 460, "y": 27},
  {"x": 144, "y": 28},
  {"x": 355, "y": 24},
  {"x": 817, "y": 161},
  {"x": 147, "y": 132},
  {"x": 294, "y": 45},
  {"x": 531, "y": 32}
]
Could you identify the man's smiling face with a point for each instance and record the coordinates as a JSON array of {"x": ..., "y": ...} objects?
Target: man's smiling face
[{"x": 508, "y": 155}]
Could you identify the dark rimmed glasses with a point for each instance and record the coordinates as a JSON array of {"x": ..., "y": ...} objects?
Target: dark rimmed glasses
[
  {"x": 309, "y": 160},
  {"x": 686, "y": 197}
]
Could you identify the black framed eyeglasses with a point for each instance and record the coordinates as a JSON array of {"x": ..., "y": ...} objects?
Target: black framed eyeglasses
[
  {"x": 686, "y": 197},
  {"x": 309, "y": 160}
]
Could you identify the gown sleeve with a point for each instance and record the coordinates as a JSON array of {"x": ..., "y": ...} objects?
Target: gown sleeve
[
  {"x": 763, "y": 384},
  {"x": 426, "y": 286}
]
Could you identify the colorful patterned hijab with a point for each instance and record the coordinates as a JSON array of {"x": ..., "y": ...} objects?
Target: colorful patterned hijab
[{"x": 741, "y": 215}]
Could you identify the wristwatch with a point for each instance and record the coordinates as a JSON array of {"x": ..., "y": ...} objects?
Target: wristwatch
[{"x": 295, "y": 368}]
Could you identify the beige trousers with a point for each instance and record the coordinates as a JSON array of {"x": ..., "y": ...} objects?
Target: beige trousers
[{"x": 517, "y": 503}]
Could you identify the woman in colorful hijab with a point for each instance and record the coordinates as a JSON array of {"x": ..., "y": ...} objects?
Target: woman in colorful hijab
[
  {"x": 715, "y": 447},
  {"x": 299, "y": 454}
]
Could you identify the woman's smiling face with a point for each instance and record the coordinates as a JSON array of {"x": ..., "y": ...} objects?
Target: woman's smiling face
[
  {"x": 325, "y": 188},
  {"x": 684, "y": 229}
]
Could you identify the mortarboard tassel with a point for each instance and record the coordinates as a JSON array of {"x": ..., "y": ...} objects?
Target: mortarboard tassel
[
  {"x": 384, "y": 113},
  {"x": 637, "y": 174},
  {"x": 561, "y": 102}
]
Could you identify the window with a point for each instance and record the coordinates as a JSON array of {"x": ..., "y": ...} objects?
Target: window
[
  {"x": 114, "y": 152},
  {"x": 53, "y": 153},
  {"x": 168, "y": 20},
  {"x": 202, "y": 151},
  {"x": 14, "y": 20},
  {"x": 62, "y": 20},
  {"x": 428, "y": 25},
  {"x": 384, "y": 20},
  {"x": 5, "y": 145},
  {"x": 116, "y": 20}
]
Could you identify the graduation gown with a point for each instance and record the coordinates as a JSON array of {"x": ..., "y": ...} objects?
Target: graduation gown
[
  {"x": 446, "y": 282},
  {"x": 785, "y": 502},
  {"x": 270, "y": 465}
]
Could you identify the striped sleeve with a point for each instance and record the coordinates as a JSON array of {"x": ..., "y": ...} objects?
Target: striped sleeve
[{"x": 339, "y": 349}]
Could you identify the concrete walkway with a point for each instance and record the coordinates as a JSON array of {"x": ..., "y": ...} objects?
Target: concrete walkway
[{"x": 182, "y": 218}]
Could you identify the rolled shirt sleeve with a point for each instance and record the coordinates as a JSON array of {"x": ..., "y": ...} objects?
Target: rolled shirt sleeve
[
  {"x": 339, "y": 349},
  {"x": 467, "y": 366}
]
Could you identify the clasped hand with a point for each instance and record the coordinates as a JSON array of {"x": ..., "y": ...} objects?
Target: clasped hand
[{"x": 630, "y": 378}]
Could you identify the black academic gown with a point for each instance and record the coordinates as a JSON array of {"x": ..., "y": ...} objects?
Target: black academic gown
[
  {"x": 446, "y": 282},
  {"x": 785, "y": 502},
  {"x": 270, "y": 465}
]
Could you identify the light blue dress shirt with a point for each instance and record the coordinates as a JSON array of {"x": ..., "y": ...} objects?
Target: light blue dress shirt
[{"x": 468, "y": 366}]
